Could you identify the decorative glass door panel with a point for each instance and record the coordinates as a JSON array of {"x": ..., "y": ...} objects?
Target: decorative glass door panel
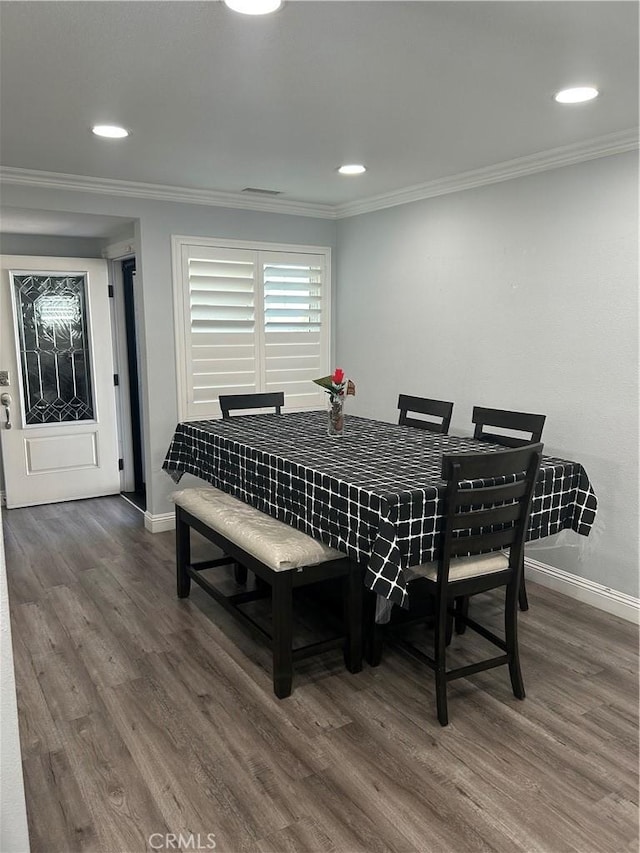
[{"x": 53, "y": 347}]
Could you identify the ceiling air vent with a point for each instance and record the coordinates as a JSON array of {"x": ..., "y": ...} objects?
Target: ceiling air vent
[{"x": 258, "y": 191}]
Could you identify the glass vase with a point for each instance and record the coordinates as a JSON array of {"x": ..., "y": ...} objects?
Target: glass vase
[{"x": 335, "y": 425}]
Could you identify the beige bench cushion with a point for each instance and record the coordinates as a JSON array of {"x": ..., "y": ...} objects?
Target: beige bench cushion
[
  {"x": 463, "y": 567},
  {"x": 277, "y": 545}
]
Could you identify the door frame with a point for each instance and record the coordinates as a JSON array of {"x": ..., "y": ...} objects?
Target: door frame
[
  {"x": 131, "y": 312},
  {"x": 50, "y": 478},
  {"x": 120, "y": 357}
]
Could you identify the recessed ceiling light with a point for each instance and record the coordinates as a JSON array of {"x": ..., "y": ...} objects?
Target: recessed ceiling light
[
  {"x": 110, "y": 131},
  {"x": 576, "y": 95},
  {"x": 254, "y": 7},
  {"x": 352, "y": 169}
]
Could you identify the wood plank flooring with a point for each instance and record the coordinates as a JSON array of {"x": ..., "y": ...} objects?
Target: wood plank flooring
[{"x": 142, "y": 715}]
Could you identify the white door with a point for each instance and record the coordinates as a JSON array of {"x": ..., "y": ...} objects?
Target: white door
[{"x": 55, "y": 343}]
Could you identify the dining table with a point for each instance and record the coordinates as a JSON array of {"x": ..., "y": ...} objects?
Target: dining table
[{"x": 375, "y": 492}]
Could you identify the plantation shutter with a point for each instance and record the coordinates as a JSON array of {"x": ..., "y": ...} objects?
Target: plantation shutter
[
  {"x": 252, "y": 321},
  {"x": 294, "y": 352},
  {"x": 220, "y": 309}
]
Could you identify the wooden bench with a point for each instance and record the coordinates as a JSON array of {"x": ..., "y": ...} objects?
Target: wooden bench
[{"x": 279, "y": 555}]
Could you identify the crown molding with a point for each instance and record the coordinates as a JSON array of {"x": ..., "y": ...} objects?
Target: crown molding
[
  {"x": 160, "y": 192},
  {"x": 543, "y": 161},
  {"x": 554, "y": 158}
]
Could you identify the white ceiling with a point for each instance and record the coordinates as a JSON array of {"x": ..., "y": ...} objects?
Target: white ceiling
[{"x": 418, "y": 91}]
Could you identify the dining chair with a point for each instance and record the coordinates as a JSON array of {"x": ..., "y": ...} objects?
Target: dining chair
[
  {"x": 438, "y": 409},
  {"x": 487, "y": 506},
  {"x": 237, "y": 402},
  {"x": 524, "y": 422}
]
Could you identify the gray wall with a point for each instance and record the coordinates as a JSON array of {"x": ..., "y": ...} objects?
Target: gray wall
[
  {"x": 157, "y": 221},
  {"x": 54, "y": 247},
  {"x": 521, "y": 295}
]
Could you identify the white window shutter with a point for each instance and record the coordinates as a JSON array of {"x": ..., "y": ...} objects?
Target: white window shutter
[
  {"x": 221, "y": 351},
  {"x": 249, "y": 319},
  {"x": 294, "y": 326}
]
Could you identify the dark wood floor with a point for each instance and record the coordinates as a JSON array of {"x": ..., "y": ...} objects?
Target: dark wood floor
[{"x": 142, "y": 714}]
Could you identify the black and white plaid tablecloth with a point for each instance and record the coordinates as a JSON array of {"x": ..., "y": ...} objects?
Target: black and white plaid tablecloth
[{"x": 375, "y": 493}]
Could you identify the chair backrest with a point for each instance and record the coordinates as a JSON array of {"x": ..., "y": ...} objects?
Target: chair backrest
[
  {"x": 515, "y": 421},
  {"x": 421, "y": 405},
  {"x": 233, "y": 402},
  {"x": 488, "y": 502}
]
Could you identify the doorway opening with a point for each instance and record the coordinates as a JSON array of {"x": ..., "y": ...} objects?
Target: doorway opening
[{"x": 137, "y": 495}]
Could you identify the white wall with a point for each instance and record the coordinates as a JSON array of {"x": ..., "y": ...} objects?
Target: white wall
[
  {"x": 520, "y": 295},
  {"x": 156, "y": 221},
  {"x": 14, "y": 834}
]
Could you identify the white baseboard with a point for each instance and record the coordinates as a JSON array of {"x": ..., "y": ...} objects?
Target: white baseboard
[
  {"x": 590, "y": 592},
  {"x": 159, "y": 523}
]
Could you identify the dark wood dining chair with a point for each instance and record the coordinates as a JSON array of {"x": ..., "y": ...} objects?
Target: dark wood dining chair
[
  {"x": 523, "y": 422},
  {"x": 487, "y": 506},
  {"x": 237, "y": 402},
  {"x": 439, "y": 410}
]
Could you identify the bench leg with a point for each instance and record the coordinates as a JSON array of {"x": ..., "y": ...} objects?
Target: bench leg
[
  {"x": 354, "y": 625},
  {"x": 282, "y": 615},
  {"x": 240, "y": 574},
  {"x": 183, "y": 555}
]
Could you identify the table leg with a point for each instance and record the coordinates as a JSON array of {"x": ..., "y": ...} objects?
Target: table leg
[{"x": 354, "y": 589}]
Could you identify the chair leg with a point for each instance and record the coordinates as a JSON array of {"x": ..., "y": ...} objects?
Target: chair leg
[
  {"x": 522, "y": 594},
  {"x": 373, "y": 633},
  {"x": 183, "y": 555},
  {"x": 511, "y": 637},
  {"x": 449, "y": 627},
  {"x": 282, "y": 643},
  {"x": 441, "y": 665},
  {"x": 461, "y": 605},
  {"x": 354, "y": 627},
  {"x": 377, "y": 645}
]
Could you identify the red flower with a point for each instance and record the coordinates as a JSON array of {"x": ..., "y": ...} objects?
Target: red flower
[{"x": 336, "y": 384}]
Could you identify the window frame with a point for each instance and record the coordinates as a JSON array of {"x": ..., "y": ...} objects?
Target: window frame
[{"x": 182, "y": 321}]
